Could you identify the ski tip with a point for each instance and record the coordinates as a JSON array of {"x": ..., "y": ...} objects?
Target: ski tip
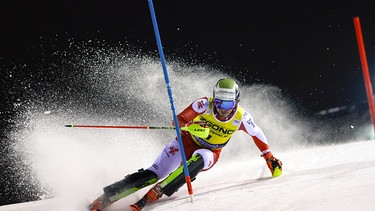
[
  {"x": 71, "y": 125},
  {"x": 277, "y": 172}
]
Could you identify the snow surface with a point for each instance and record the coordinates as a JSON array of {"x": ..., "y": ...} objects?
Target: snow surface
[
  {"x": 334, "y": 177},
  {"x": 71, "y": 166}
]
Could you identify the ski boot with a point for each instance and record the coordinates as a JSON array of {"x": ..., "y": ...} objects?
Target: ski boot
[
  {"x": 171, "y": 184},
  {"x": 153, "y": 194},
  {"x": 100, "y": 203}
]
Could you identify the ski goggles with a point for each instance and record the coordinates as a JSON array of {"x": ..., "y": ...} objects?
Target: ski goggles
[{"x": 224, "y": 104}]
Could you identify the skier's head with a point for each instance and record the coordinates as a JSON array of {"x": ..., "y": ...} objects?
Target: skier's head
[{"x": 226, "y": 94}]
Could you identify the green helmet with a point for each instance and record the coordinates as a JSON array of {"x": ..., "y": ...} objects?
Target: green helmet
[{"x": 226, "y": 89}]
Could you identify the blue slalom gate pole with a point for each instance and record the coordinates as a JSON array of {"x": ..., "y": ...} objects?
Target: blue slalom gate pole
[{"x": 175, "y": 119}]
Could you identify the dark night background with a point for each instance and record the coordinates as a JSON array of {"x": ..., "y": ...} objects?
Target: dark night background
[
  {"x": 306, "y": 48},
  {"x": 309, "y": 50}
]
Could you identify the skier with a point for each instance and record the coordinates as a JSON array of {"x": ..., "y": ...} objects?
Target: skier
[{"x": 223, "y": 116}]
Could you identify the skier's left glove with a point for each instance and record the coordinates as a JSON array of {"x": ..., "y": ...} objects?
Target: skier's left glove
[{"x": 274, "y": 164}]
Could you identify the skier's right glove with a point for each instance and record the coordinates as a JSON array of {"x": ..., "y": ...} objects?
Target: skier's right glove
[
  {"x": 274, "y": 164},
  {"x": 200, "y": 123}
]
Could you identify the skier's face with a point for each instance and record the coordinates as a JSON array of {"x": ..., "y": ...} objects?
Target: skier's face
[{"x": 224, "y": 113}]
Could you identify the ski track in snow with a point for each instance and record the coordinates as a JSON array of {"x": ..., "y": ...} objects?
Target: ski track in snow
[{"x": 337, "y": 177}]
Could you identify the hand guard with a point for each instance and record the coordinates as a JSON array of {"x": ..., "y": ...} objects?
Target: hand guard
[{"x": 274, "y": 164}]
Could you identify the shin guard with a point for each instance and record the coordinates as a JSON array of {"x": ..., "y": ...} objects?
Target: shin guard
[
  {"x": 177, "y": 178},
  {"x": 130, "y": 184}
]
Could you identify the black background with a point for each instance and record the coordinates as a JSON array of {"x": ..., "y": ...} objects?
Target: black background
[{"x": 308, "y": 49}]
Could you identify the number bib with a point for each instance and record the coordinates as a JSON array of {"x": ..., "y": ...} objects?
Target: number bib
[{"x": 220, "y": 131}]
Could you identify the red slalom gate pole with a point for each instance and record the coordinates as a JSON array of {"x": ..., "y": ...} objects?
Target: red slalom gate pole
[
  {"x": 365, "y": 70},
  {"x": 109, "y": 126}
]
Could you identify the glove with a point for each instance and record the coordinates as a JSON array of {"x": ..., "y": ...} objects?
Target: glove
[
  {"x": 274, "y": 164},
  {"x": 200, "y": 123}
]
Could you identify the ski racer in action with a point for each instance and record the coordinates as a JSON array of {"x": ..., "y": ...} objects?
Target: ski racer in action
[{"x": 223, "y": 115}]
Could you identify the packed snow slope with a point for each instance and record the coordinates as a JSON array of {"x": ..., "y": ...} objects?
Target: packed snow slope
[
  {"x": 66, "y": 168},
  {"x": 337, "y": 177}
]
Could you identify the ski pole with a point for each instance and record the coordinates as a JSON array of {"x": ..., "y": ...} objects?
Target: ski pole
[
  {"x": 194, "y": 129},
  {"x": 169, "y": 90}
]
